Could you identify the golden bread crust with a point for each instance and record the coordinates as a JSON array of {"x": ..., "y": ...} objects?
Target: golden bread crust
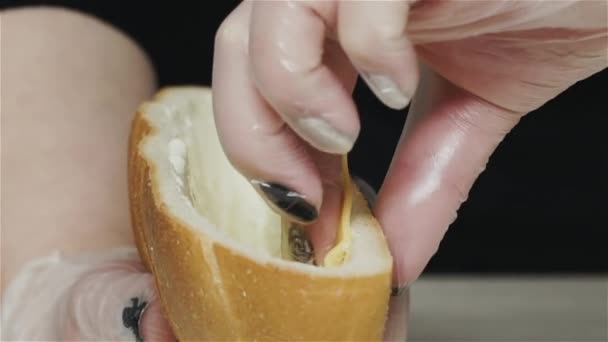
[{"x": 212, "y": 293}]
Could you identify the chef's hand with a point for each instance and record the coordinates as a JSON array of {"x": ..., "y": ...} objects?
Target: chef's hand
[
  {"x": 84, "y": 298},
  {"x": 284, "y": 72}
]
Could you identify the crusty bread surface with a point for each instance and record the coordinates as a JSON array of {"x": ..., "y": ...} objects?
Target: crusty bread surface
[{"x": 213, "y": 288}]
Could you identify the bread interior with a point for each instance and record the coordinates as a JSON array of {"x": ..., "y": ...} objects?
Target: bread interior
[{"x": 202, "y": 188}]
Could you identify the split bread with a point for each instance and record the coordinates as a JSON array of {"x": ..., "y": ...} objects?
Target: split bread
[{"x": 215, "y": 247}]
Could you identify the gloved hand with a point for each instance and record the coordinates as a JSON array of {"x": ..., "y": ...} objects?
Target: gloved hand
[
  {"x": 284, "y": 72},
  {"x": 101, "y": 297}
]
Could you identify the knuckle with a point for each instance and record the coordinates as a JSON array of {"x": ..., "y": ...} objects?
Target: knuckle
[
  {"x": 373, "y": 40},
  {"x": 388, "y": 33},
  {"x": 479, "y": 117},
  {"x": 231, "y": 33},
  {"x": 357, "y": 44}
]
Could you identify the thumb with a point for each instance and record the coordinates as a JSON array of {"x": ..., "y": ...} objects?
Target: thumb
[
  {"x": 446, "y": 143},
  {"x": 115, "y": 301}
]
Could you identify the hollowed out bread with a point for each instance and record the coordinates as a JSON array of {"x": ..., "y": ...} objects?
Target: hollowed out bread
[{"x": 217, "y": 264}]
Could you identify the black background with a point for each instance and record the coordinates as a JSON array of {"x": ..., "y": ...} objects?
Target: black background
[{"x": 540, "y": 206}]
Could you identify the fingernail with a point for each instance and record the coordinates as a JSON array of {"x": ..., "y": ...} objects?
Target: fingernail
[
  {"x": 386, "y": 90},
  {"x": 296, "y": 245},
  {"x": 368, "y": 192},
  {"x": 131, "y": 316},
  {"x": 287, "y": 201},
  {"x": 398, "y": 291},
  {"x": 323, "y": 135}
]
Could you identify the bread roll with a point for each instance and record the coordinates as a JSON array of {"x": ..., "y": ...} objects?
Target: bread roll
[{"x": 215, "y": 247}]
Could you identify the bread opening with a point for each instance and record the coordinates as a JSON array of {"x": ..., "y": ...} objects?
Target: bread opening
[
  {"x": 259, "y": 228},
  {"x": 215, "y": 189}
]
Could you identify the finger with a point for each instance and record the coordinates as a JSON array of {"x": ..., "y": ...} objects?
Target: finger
[
  {"x": 255, "y": 139},
  {"x": 116, "y": 301},
  {"x": 323, "y": 232},
  {"x": 278, "y": 162},
  {"x": 397, "y": 323},
  {"x": 446, "y": 143},
  {"x": 373, "y": 35},
  {"x": 288, "y": 68},
  {"x": 154, "y": 325}
]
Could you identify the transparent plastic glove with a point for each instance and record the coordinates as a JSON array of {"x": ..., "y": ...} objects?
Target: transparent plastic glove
[
  {"x": 105, "y": 297},
  {"x": 102, "y": 297},
  {"x": 283, "y": 77}
]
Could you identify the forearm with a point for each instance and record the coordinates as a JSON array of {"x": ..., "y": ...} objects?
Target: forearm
[{"x": 70, "y": 85}]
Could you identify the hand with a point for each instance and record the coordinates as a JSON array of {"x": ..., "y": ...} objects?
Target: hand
[
  {"x": 284, "y": 72},
  {"x": 104, "y": 297}
]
